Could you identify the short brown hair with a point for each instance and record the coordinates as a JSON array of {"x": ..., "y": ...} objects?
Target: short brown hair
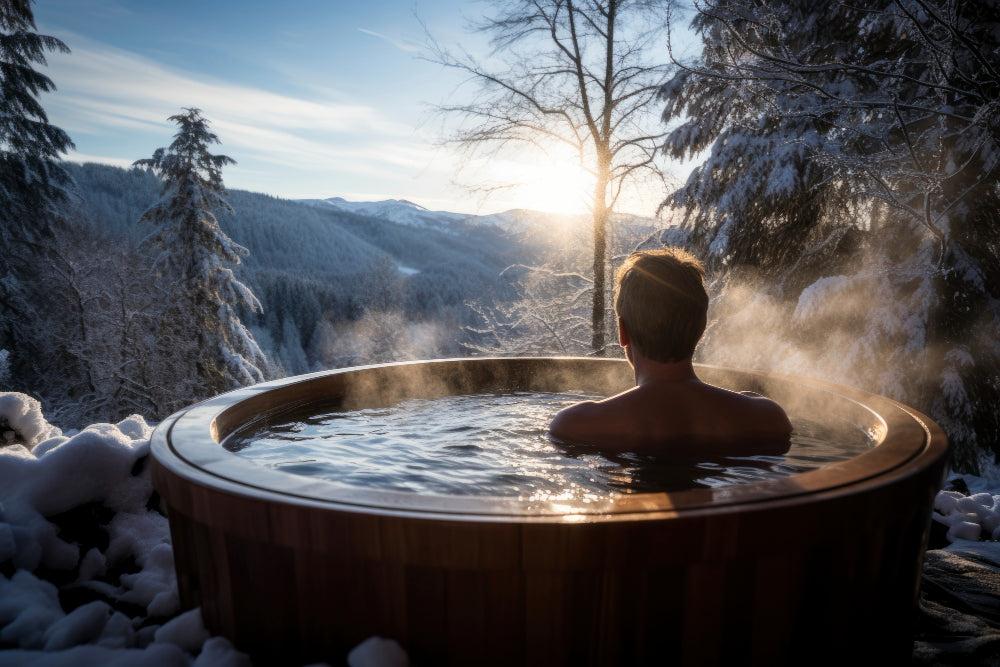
[{"x": 660, "y": 297}]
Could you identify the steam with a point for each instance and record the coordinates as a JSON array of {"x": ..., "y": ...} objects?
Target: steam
[
  {"x": 381, "y": 336},
  {"x": 383, "y": 386},
  {"x": 870, "y": 329}
]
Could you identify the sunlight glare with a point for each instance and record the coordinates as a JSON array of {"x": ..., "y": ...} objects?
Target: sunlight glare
[
  {"x": 556, "y": 185},
  {"x": 553, "y": 181}
]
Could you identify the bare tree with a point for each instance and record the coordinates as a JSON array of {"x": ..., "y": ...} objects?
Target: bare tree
[
  {"x": 578, "y": 73},
  {"x": 97, "y": 358},
  {"x": 547, "y": 317}
]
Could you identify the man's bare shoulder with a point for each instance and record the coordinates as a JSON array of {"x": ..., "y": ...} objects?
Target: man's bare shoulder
[
  {"x": 765, "y": 415},
  {"x": 569, "y": 422},
  {"x": 645, "y": 417},
  {"x": 588, "y": 420}
]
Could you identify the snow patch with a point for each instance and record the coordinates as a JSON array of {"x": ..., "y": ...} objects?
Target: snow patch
[
  {"x": 112, "y": 547},
  {"x": 21, "y": 420},
  {"x": 970, "y": 517},
  {"x": 378, "y": 652}
]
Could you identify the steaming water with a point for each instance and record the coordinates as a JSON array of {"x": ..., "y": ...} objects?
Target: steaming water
[{"x": 498, "y": 444}]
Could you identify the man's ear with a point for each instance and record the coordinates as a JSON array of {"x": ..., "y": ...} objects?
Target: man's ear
[{"x": 623, "y": 337}]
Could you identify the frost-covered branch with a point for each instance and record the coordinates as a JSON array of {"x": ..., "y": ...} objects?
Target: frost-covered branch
[{"x": 573, "y": 72}]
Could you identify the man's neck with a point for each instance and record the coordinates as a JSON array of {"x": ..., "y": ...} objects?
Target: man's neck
[{"x": 648, "y": 371}]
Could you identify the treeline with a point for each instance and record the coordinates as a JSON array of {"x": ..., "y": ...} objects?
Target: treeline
[
  {"x": 335, "y": 289},
  {"x": 321, "y": 276}
]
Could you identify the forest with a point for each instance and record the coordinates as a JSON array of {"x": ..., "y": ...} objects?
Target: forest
[
  {"x": 335, "y": 288},
  {"x": 845, "y": 200}
]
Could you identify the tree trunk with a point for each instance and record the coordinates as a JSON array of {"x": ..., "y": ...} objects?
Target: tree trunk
[
  {"x": 602, "y": 142},
  {"x": 600, "y": 212}
]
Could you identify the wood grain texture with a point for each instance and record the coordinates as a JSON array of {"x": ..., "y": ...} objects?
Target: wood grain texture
[{"x": 801, "y": 573}]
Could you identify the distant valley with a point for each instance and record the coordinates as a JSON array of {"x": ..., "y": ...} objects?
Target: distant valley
[{"x": 322, "y": 266}]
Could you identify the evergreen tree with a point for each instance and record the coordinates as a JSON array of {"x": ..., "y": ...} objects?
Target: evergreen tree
[
  {"x": 199, "y": 329},
  {"x": 31, "y": 178},
  {"x": 854, "y": 161}
]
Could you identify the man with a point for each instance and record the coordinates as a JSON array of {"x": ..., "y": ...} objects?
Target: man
[{"x": 662, "y": 308}]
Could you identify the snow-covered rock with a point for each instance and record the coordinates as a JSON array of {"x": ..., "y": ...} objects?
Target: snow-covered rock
[
  {"x": 378, "y": 652},
  {"x": 79, "y": 511},
  {"x": 21, "y": 421},
  {"x": 971, "y": 516}
]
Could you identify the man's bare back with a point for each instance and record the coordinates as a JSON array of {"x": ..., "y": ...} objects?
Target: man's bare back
[{"x": 683, "y": 417}]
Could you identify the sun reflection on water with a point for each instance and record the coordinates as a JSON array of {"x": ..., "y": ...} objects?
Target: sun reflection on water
[{"x": 498, "y": 445}]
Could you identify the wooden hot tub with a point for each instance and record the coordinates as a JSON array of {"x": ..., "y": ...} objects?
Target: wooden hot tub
[{"x": 808, "y": 569}]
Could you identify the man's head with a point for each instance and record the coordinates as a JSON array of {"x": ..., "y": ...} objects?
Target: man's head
[{"x": 661, "y": 300}]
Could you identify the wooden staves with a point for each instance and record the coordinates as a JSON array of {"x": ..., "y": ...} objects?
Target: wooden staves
[{"x": 802, "y": 570}]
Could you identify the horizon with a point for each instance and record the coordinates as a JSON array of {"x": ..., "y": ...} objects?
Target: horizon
[{"x": 289, "y": 92}]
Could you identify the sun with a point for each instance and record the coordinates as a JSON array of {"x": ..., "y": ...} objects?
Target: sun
[
  {"x": 556, "y": 185},
  {"x": 551, "y": 181}
]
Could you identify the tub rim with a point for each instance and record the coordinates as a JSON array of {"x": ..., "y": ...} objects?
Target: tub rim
[{"x": 188, "y": 445}]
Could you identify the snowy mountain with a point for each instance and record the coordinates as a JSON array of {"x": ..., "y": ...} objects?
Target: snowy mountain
[
  {"x": 404, "y": 212},
  {"x": 321, "y": 265},
  {"x": 514, "y": 221},
  {"x": 400, "y": 211}
]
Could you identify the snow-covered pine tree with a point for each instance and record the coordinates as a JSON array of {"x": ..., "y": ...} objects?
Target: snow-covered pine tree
[
  {"x": 205, "y": 347},
  {"x": 854, "y": 164},
  {"x": 31, "y": 178}
]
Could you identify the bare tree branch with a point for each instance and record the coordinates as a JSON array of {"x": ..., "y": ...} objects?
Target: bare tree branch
[{"x": 580, "y": 77}]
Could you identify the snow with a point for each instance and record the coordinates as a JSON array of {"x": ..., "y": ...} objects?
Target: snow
[
  {"x": 400, "y": 211},
  {"x": 186, "y": 631},
  {"x": 377, "y": 652},
  {"x": 86, "y": 564},
  {"x": 68, "y": 597},
  {"x": 969, "y": 517},
  {"x": 22, "y": 420}
]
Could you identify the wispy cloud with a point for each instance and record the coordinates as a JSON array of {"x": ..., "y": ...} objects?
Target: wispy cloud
[
  {"x": 126, "y": 85},
  {"x": 104, "y": 90},
  {"x": 115, "y": 103},
  {"x": 402, "y": 45}
]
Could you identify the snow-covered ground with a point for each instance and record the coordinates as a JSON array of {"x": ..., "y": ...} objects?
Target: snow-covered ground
[
  {"x": 970, "y": 516},
  {"x": 959, "y": 620},
  {"x": 86, "y": 566},
  {"x": 87, "y": 572}
]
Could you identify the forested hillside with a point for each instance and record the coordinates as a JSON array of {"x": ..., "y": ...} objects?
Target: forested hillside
[{"x": 337, "y": 287}]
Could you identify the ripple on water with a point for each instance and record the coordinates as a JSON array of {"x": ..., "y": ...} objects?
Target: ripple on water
[{"x": 498, "y": 444}]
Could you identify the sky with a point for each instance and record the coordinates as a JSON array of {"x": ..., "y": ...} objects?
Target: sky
[{"x": 312, "y": 98}]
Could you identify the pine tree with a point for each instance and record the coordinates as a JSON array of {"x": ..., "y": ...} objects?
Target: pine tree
[
  {"x": 199, "y": 329},
  {"x": 31, "y": 178},
  {"x": 854, "y": 161}
]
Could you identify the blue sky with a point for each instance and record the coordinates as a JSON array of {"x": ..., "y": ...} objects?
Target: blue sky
[{"x": 312, "y": 98}]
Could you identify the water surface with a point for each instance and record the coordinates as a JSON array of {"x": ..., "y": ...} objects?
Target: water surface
[{"x": 498, "y": 444}]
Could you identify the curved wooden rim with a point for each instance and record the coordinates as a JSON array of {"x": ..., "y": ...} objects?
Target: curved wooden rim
[{"x": 187, "y": 444}]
